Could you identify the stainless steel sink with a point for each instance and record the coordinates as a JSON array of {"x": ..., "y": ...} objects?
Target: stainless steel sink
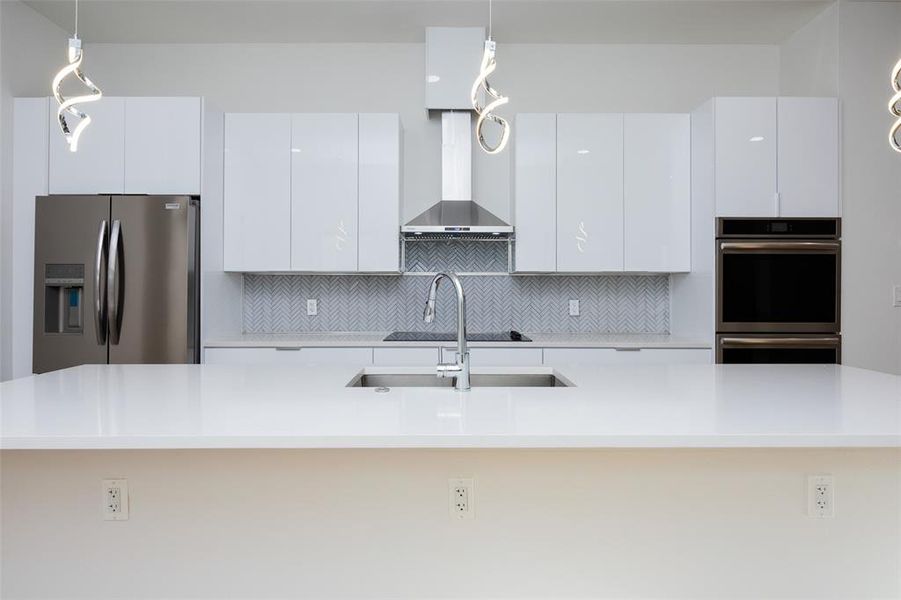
[{"x": 390, "y": 380}]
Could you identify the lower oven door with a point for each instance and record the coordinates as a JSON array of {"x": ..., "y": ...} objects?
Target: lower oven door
[
  {"x": 784, "y": 286},
  {"x": 776, "y": 349}
]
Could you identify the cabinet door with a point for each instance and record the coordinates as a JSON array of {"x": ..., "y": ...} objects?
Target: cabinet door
[
  {"x": 589, "y": 192},
  {"x": 560, "y": 357},
  {"x": 452, "y": 59},
  {"x": 405, "y": 357},
  {"x": 324, "y": 192},
  {"x": 257, "y": 211},
  {"x": 535, "y": 192},
  {"x": 657, "y": 192},
  {"x": 808, "y": 157},
  {"x": 353, "y": 357},
  {"x": 162, "y": 145},
  {"x": 98, "y": 167},
  {"x": 497, "y": 357},
  {"x": 379, "y": 192},
  {"x": 745, "y": 157}
]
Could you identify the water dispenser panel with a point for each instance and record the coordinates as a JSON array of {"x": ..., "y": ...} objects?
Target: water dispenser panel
[{"x": 64, "y": 298}]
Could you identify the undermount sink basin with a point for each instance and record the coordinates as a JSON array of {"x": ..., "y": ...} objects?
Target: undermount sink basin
[{"x": 390, "y": 380}]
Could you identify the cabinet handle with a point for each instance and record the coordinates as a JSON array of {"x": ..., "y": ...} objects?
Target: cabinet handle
[
  {"x": 287, "y": 349},
  {"x": 628, "y": 349}
]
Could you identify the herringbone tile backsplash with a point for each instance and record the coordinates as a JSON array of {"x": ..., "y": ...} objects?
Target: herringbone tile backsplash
[{"x": 608, "y": 303}]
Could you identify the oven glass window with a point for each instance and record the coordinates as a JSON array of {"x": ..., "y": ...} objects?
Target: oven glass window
[
  {"x": 826, "y": 356},
  {"x": 779, "y": 288}
]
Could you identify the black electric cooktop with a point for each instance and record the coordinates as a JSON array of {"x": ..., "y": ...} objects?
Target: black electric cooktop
[{"x": 428, "y": 336}]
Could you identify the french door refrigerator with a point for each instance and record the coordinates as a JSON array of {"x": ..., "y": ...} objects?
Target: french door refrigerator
[{"x": 117, "y": 280}]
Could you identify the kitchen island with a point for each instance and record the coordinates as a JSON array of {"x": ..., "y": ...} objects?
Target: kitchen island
[
  {"x": 279, "y": 406},
  {"x": 279, "y": 481}
]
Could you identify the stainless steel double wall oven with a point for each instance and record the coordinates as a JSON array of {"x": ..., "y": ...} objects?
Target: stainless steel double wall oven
[{"x": 778, "y": 288}]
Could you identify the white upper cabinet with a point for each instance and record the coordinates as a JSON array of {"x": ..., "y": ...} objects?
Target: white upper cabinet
[
  {"x": 776, "y": 157},
  {"x": 257, "y": 192},
  {"x": 162, "y": 145},
  {"x": 535, "y": 192},
  {"x": 453, "y": 56},
  {"x": 657, "y": 192},
  {"x": 589, "y": 192},
  {"x": 379, "y": 192},
  {"x": 324, "y": 163},
  {"x": 98, "y": 167},
  {"x": 808, "y": 157},
  {"x": 745, "y": 157}
]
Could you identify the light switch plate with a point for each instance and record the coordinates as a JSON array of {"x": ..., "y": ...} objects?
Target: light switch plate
[{"x": 896, "y": 296}]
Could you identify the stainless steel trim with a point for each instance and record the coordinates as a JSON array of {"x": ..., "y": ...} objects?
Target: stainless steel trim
[
  {"x": 780, "y": 246},
  {"x": 721, "y": 222},
  {"x": 100, "y": 260},
  {"x": 456, "y": 216},
  {"x": 194, "y": 270},
  {"x": 114, "y": 287}
]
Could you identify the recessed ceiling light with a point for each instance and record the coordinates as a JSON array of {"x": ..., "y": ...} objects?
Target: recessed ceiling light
[
  {"x": 295, "y": 150},
  {"x": 756, "y": 138},
  {"x": 433, "y": 78},
  {"x": 583, "y": 151}
]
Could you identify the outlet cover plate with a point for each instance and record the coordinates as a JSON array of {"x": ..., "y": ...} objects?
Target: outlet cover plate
[
  {"x": 821, "y": 496},
  {"x": 312, "y": 307},
  {"x": 461, "y": 499},
  {"x": 115, "y": 499}
]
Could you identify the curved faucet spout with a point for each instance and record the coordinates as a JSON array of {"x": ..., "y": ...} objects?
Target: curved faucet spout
[{"x": 461, "y": 369}]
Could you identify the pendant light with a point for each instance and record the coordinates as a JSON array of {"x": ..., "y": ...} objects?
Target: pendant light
[
  {"x": 894, "y": 107},
  {"x": 67, "y": 109},
  {"x": 491, "y": 95}
]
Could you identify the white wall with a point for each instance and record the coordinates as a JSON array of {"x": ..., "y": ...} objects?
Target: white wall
[
  {"x": 389, "y": 78},
  {"x": 33, "y": 49},
  {"x": 849, "y": 50},
  {"x": 374, "y": 524}
]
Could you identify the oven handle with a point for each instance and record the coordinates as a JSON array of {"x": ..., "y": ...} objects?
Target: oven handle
[
  {"x": 827, "y": 247},
  {"x": 795, "y": 342}
]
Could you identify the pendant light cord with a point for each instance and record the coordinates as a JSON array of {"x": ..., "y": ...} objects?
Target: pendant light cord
[
  {"x": 76, "y": 18},
  {"x": 489, "y": 16}
]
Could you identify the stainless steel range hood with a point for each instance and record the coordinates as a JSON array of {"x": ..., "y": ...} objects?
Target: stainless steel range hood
[{"x": 456, "y": 212}]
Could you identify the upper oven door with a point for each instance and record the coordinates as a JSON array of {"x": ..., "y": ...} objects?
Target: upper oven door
[{"x": 776, "y": 286}]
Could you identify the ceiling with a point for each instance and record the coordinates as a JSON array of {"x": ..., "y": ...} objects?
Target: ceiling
[{"x": 515, "y": 21}]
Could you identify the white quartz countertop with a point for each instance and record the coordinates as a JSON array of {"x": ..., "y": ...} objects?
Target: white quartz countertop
[
  {"x": 377, "y": 338},
  {"x": 281, "y": 406}
]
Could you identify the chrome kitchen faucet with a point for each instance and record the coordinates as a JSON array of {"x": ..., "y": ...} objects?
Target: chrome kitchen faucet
[{"x": 460, "y": 369}]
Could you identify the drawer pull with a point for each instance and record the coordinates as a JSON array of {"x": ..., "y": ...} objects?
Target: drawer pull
[
  {"x": 628, "y": 349},
  {"x": 287, "y": 349}
]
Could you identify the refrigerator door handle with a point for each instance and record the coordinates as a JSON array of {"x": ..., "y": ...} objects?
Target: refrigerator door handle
[
  {"x": 100, "y": 262},
  {"x": 114, "y": 282}
]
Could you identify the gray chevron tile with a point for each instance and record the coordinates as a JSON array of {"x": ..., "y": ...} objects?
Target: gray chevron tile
[{"x": 539, "y": 303}]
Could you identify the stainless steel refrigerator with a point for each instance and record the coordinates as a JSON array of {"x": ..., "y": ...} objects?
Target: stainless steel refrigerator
[{"x": 117, "y": 280}]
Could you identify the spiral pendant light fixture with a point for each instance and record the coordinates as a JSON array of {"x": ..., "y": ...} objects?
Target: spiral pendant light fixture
[
  {"x": 493, "y": 97},
  {"x": 894, "y": 107},
  {"x": 68, "y": 109}
]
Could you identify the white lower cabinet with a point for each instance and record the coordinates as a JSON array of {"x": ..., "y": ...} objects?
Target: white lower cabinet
[
  {"x": 295, "y": 356},
  {"x": 497, "y": 357},
  {"x": 554, "y": 357},
  {"x": 405, "y": 357}
]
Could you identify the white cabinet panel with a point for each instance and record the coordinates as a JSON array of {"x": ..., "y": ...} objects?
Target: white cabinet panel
[
  {"x": 558, "y": 357},
  {"x": 535, "y": 189},
  {"x": 453, "y": 55},
  {"x": 497, "y": 357},
  {"x": 379, "y": 192},
  {"x": 405, "y": 357},
  {"x": 257, "y": 192},
  {"x": 745, "y": 157},
  {"x": 657, "y": 192},
  {"x": 324, "y": 192},
  {"x": 589, "y": 192},
  {"x": 808, "y": 157},
  {"x": 295, "y": 356},
  {"x": 162, "y": 145},
  {"x": 98, "y": 167}
]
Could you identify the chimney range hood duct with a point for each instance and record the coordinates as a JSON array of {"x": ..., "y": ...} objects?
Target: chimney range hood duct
[{"x": 456, "y": 213}]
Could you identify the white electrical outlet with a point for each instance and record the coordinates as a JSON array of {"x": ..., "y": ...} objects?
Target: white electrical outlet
[
  {"x": 115, "y": 499},
  {"x": 460, "y": 494},
  {"x": 896, "y": 296},
  {"x": 820, "y": 496},
  {"x": 574, "y": 308},
  {"x": 312, "y": 307}
]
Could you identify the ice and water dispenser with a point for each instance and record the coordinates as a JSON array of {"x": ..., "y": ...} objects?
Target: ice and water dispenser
[{"x": 63, "y": 298}]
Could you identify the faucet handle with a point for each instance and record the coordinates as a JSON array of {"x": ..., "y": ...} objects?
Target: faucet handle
[{"x": 449, "y": 369}]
